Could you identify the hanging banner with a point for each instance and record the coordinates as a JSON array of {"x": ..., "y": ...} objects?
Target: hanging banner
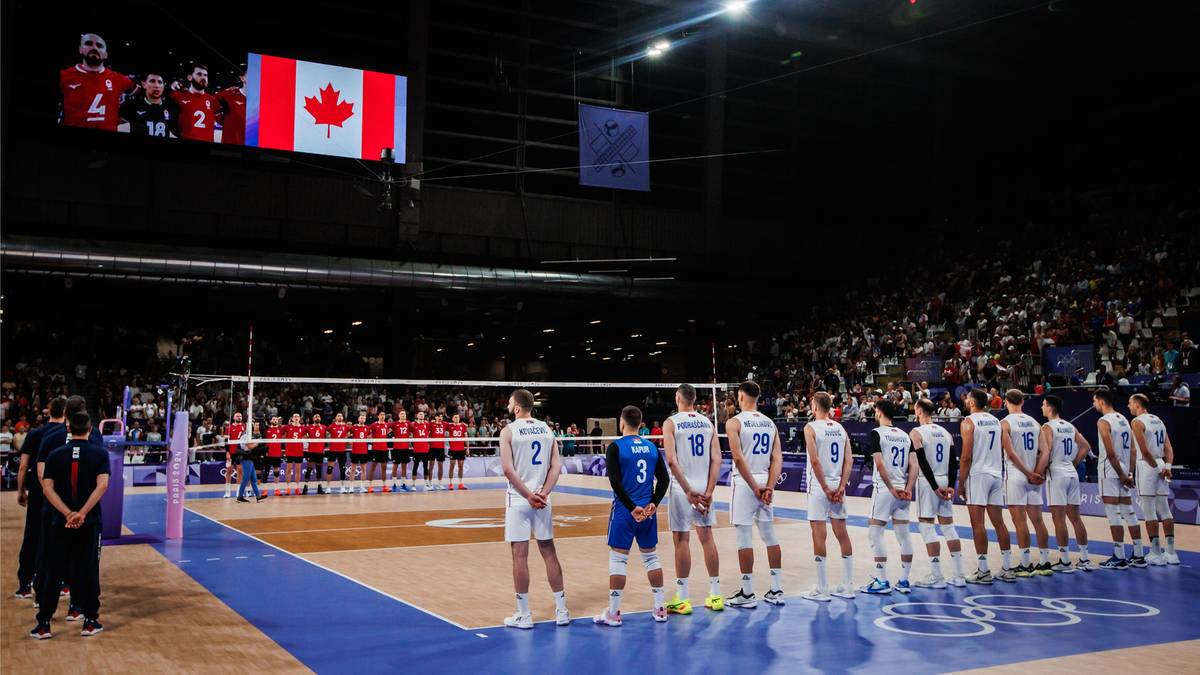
[{"x": 614, "y": 147}]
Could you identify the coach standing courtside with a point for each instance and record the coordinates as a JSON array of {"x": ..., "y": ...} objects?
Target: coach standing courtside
[
  {"x": 74, "y": 479},
  {"x": 29, "y": 495}
]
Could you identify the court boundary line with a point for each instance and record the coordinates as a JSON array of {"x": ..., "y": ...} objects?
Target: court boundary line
[{"x": 332, "y": 571}]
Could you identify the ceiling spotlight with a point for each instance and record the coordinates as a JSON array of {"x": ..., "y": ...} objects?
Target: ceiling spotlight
[
  {"x": 736, "y": 6},
  {"x": 439, "y": 349},
  {"x": 329, "y": 331},
  {"x": 547, "y": 330},
  {"x": 470, "y": 344},
  {"x": 661, "y": 45},
  {"x": 661, "y": 343},
  {"x": 653, "y": 52},
  {"x": 595, "y": 322},
  {"x": 355, "y": 323}
]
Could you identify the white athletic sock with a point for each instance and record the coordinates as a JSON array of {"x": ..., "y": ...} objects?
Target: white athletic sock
[
  {"x": 935, "y": 566},
  {"x": 821, "y": 581},
  {"x": 747, "y": 584},
  {"x": 1118, "y": 549},
  {"x": 522, "y": 603},
  {"x": 1063, "y": 555},
  {"x": 776, "y": 579},
  {"x": 682, "y": 589},
  {"x": 714, "y": 586},
  {"x": 1025, "y": 557},
  {"x": 614, "y": 600},
  {"x": 1044, "y": 554},
  {"x": 956, "y": 558},
  {"x": 1170, "y": 543},
  {"x": 848, "y": 570},
  {"x": 560, "y": 600},
  {"x": 983, "y": 563},
  {"x": 881, "y": 571},
  {"x": 1138, "y": 550},
  {"x": 1005, "y": 558},
  {"x": 1154, "y": 547},
  {"x": 905, "y": 567},
  {"x": 657, "y": 592},
  {"x": 1083, "y": 554}
]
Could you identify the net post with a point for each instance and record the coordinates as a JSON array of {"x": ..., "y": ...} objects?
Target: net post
[{"x": 177, "y": 473}]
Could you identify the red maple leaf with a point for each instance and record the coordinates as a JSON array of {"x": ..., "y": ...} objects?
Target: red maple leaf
[{"x": 328, "y": 110}]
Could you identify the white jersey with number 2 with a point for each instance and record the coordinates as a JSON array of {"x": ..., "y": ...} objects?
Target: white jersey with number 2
[{"x": 531, "y": 446}]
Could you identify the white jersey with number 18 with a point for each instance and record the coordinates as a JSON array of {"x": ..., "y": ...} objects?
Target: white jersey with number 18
[{"x": 693, "y": 440}]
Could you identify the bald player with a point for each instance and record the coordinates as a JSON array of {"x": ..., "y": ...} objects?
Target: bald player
[
  {"x": 1023, "y": 483},
  {"x": 1154, "y": 458},
  {"x": 1117, "y": 481},
  {"x": 828, "y": 447},
  {"x": 980, "y": 474}
]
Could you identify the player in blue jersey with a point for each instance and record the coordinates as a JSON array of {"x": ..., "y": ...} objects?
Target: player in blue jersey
[{"x": 637, "y": 471}]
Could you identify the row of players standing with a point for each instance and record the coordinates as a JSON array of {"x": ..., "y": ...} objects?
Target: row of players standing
[
  {"x": 1003, "y": 462},
  {"x": 351, "y": 453},
  {"x": 96, "y": 96}
]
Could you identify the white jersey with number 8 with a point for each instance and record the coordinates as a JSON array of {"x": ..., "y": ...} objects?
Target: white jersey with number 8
[{"x": 531, "y": 446}]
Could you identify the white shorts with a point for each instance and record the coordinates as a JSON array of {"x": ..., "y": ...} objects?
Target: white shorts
[
  {"x": 1019, "y": 492},
  {"x": 1150, "y": 482},
  {"x": 820, "y": 508},
  {"x": 886, "y": 507},
  {"x": 745, "y": 507},
  {"x": 683, "y": 516},
  {"x": 1110, "y": 484},
  {"x": 1063, "y": 490},
  {"x": 929, "y": 504},
  {"x": 521, "y": 519},
  {"x": 985, "y": 490}
]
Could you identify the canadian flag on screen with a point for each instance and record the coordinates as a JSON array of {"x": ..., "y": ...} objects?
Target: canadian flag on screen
[{"x": 323, "y": 109}]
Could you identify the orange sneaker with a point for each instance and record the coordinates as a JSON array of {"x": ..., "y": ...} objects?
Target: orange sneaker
[
  {"x": 277, "y": 492},
  {"x": 370, "y": 490},
  {"x": 385, "y": 489},
  {"x": 462, "y": 487},
  {"x": 296, "y": 491}
]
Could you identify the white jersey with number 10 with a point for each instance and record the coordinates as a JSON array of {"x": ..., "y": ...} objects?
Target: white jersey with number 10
[{"x": 531, "y": 446}]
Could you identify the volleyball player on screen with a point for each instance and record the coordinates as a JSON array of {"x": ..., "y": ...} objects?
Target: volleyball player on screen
[
  {"x": 90, "y": 92},
  {"x": 198, "y": 109},
  {"x": 758, "y": 460},
  {"x": 146, "y": 113},
  {"x": 694, "y": 458},
  {"x": 529, "y": 457},
  {"x": 233, "y": 113},
  {"x": 637, "y": 472}
]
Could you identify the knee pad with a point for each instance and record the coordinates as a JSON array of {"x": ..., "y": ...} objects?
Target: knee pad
[
  {"x": 950, "y": 533},
  {"x": 875, "y": 537},
  {"x": 766, "y": 530},
  {"x": 617, "y": 562},
  {"x": 928, "y": 533},
  {"x": 1163, "y": 508},
  {"x": 1149, "y": 507},
  {"x": 1128, "y": 514},
  {"x": 904, "y": 537},
  {"x": 650, "y": 560},
  {"x": 743, "y": 536},
  {"x": 1114, "y": 514}
]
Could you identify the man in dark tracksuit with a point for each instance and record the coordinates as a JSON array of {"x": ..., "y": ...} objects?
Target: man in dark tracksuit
[
  {"x": 74, "y": 479},
  {"x": 29, "y": 495}
]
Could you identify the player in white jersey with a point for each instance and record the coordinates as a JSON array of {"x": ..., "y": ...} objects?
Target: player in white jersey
[
  {"x": 979, "y": 473},
  {"x": 1155, "y": 455},
  {"x": 1060, "y": 450},
  {"x": 1116, "y": 480},
  {"x": 758, "y": 462},
  {"x": 892, "y": 485},
  {"x": 828, "y": 447},
  {"x": 1023, "y": 483},
  {"x": 934, "y": 449},
  {"x": 529, "y": 456},
  {"x": 694, "y": 458}
]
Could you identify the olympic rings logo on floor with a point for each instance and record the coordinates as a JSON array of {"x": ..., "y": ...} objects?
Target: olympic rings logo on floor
[{"x": 982, "y": 616}]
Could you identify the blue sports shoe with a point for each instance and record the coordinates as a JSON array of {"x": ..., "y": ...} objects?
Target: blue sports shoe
[
  {"x": 1114, "y": 563},
  {"x": 876, "y": 587},
  {"x": 903, "y": 587},
  {"x": 404, "y": 486}
]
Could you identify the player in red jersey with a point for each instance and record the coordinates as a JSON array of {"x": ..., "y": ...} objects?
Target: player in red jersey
[
  {"x": 314, "y": 454},
  {"x": 90, "y": 92},
  {"x": 401, "y": 451},
  {"x": 337, "y": 452},
  {"x": 437, "y": 448},
  {"x": 274, "y": 453},
  {"x": 294, "y": 452},
  {"x": 233, "y": 113},
  {"x": 377, "y": 458},
  {"x": 198, "y": 109},
  {"x": 458, "y": 449},
  {"x": 358, "y": 452},
  {"x": 233, "y": 432},
  {"x": 420, "y": 429}
]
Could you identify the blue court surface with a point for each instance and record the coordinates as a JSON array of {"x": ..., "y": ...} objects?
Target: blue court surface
[{"x": 925, "y": 632}]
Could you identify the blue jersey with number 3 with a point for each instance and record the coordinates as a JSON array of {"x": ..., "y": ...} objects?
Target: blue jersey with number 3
[{"x": 638, "y": 458}]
